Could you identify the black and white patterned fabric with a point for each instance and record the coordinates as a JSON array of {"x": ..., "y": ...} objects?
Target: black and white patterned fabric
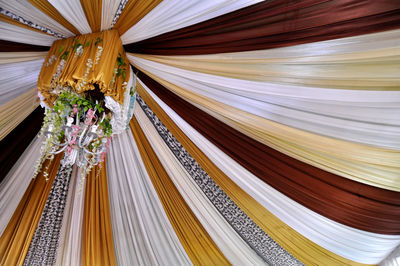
[
  {"x": 121, "y": 7},
  {"x": 43, "y": 247},
  {"x": 251, "y": 233},
  {"x": 30, "y": 24}
]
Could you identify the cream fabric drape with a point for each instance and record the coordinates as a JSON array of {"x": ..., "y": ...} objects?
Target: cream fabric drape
[
  {"x": 72, "y": 11},
  {"x": 13, "y": 112},
  {"x": 31, "y": 13},
  {"x": 170, "y": 15},
  {"x": 10, "y": 32},
  {"x": 15, "y": 183},
  {"x": 109, "y": 8},
  {"x": 224, "y": 236},
  {"x": 335, "y": 237},
  {"x": 142, "y": 232},
  {"x": 15, "y": 57},
  {"x": 52, "y": 12},
  {"x": 133, "y": 12},
  {"x": 18, "y": 78},
  {"x": 70, "y": 246},
  {"x": 366, "y": 164},
  {"x": 372, "y": 123}
]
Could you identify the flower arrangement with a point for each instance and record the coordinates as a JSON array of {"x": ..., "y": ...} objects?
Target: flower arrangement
[{"x": 78, "y": 125}]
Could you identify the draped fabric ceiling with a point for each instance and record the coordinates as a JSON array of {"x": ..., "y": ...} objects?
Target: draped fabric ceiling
[{"x": 263, "y": 132}]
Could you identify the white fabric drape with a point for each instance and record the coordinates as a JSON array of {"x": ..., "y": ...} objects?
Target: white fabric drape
[
  {"x": 70, "y": 246},
  {"x": 229, "y": 242},
  {"x": 108, "y": 10},
  {"x": 353, "y": 244},
  {"x": 14, "y": 185},
  {"x": 368, "y": 117},
  {"x": 142, "y": 232},
  {"x": 72, "y": 11},
  {"x": 393, "y": 259},
  {"x": 170, "y": 15},
  {"x": 15, "y": 57},
  {"x": 29, "y": 12},
  {"x": 17, "y": 78},
  {"x": 13, "y": 33}
]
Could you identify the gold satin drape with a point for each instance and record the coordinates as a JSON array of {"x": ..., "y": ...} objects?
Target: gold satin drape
[
  {"x": 16, "y": 238},
  {"x": 309, "y": 253},
  {"x": 134, "y": 11},
  {"x": 46, "y": 7},
  {"x": 15, "y": 111},
  {"x": 366, "y": 164},
  {"x": 199, "y": 246},
  {"x": 73, "y": 74},
  {"x": 97, "y": 241},
  {"x": 93, "y": 10}
]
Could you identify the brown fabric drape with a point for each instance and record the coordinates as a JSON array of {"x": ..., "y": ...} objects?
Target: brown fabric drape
[
  {"x": 278, "y": 23},
  {"x": 199, "y": 246},
  {"x": 97, "y": 241},
  {"x": 93, "y": 11},
  {"x": 134, "y": 11},
  {"x": 15, "y": 143},
  {"x": 7, "y": 46},
  {"x": 51, "y": 11},
  {"x": 16, "y": 238},
  {"x": 343, "y": 200}
]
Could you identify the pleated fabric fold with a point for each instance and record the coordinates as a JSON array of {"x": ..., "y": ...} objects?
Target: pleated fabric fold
[
  {"x": 272, "y": 24},
  {"x": 30, "y": 13},
  {"x": 70, "y": 247},
  {"x": 18, "y": 78},
  {"x": 13, "y": 33},
  {"x": 330, "y": 195},
  {"x": 15, "y": 183},
  {"x": 171, "y": 15},
  {"x": 9, "y": 46},
  {"x": 142, "y": 232},
  {"x": 97, "y": 241},
  {"x": 367, "y": 164},
  {"x": 253, "y": 196},
  {"x": 133, "y": 12},
  {"x": 16, "y": 57},
  {"x": 371, "y": 117},
  {"x": 198, "y": 244},
  {"x": 237, "y": 251},
  {"x": 212, "y": 196},
  {"x": 16, "y": 238},
  {"x": 73, "y": 12}
]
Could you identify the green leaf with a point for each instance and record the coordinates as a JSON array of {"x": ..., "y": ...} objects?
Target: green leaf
[
  {"x": 60, "y": 50},
  {"x": 124, "y": 74},
  {"x": 87, "y": 43}
]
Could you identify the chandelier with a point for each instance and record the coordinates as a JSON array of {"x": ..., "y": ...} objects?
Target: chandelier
[{"x": 84, "y": 134}]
